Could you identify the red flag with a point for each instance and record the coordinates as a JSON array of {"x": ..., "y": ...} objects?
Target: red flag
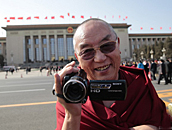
[
  {"x": 36, "y": 17},
  {"x": 73, "y": 16},
  {"x": 82, "y": 16},
  {"x": 68, "y": 14},
  {"x": 123, "y": 19},
  {"x": 113, "y": 16},
  {"x": 61, "y": 16},
  {"x": 119, "y": 16},
  {"x": 126, "y": 17},
  {"x": 52, "y": 17},
  {"x": 46, "y": 17},
  {"x": 28, "y": 18},
  {"x": 160, "y": 27},
  {"x": 20, "y": 17},
  {"x": 130, "y": 28},
  {"x": 141, "y": 28},
  {"x": 151, "y": 28},
  {"x": 5, "y": 18},
  {"x": 90, "y": 17},
  {"x": 169, "y": 27},
  {"x": 105, "y": 16},
  {"x": 12, "y": 18},
  {"x": 8, "y": 20}
]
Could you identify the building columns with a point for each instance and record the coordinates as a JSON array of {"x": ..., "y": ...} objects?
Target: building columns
[
  {"x": 2, "y": 48},
  {"x": 56, "y": 52},
  {"x": 48, "y": 47},
  {"x": 24, "y": 49},
  {"x": 32, "y": 48},
  {"x": 65, "y": 47},
  {"x": 40, "y": 48},
  {"x": 146, "y": 41}
]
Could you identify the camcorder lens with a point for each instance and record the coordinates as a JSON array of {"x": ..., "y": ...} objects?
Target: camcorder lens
[{"x": 74, "y": 91}]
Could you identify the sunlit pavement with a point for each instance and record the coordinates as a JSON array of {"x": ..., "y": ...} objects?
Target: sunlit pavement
[
  {"x": 164, "y": 91},
  {"x": 29, "y": 97},
  {"x": 23, "y": 74}
]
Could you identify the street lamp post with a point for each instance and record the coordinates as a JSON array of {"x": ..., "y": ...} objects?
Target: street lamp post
[
  {"x": 151, "y": 52},
  {"x": 12, "y": 58},
  {"x": 163, "y": 52},
  {"x": 141, "y": 54},
  {"x": 134, "y": 55}
]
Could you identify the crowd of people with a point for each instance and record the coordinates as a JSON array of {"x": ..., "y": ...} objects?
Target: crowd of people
[
  {"x": 51, "y": 69},
  {"x": 155, "y": 69}
]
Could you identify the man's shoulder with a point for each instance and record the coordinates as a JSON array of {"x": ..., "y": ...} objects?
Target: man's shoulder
[
  {"x": 132, "y": 70},
  {"x": 132, "y": 73}
]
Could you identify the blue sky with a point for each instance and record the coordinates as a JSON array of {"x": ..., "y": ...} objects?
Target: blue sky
[{"x": 156, "y": 14}]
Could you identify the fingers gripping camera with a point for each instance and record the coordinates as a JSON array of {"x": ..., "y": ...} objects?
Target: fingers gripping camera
[{"x": 76, "y": 88}]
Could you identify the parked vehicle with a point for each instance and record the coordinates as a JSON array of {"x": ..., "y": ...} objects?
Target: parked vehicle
[{"x": 7, "y": 68}]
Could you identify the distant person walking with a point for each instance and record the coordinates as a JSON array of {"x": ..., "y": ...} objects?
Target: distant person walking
[
  {"x": 11, "y": 70},
  {"x": 162, "y": 72},
  {"x": 140, "y": 65},
  {"x": 153, "y": 69},
  {"x": 169, "y": 71},
  {"x": 146, "y": 66}
]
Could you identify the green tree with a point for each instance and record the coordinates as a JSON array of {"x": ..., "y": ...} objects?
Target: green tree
[
  {"x": 168, "y": 47},
  {"x": 148, "y": 52},
  {"x": 136, "y": 52},
  {"x": 158, "y": 50},
  {"x": 144, "y": 49},
  {"x": 152, "y": 47}
]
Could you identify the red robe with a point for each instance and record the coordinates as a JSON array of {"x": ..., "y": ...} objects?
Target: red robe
[{"x": 141, "y": 107}]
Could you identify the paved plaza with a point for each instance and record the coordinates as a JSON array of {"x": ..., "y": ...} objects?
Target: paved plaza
[
  {"x": 26, "y": 100},
  {"x": 22, "y": 74}
]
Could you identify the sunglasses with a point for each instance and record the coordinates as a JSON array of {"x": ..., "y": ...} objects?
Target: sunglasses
[{"x": 105, "y": 48}]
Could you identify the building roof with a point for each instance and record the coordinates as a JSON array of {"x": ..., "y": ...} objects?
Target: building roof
[
  {"x": 2, "y": 38},
  {"x": 53, "y": 26},
  {"x": 149, "y": 34}
]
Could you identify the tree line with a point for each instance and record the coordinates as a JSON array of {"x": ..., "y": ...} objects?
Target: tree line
[{"x": 156, "y": 48}]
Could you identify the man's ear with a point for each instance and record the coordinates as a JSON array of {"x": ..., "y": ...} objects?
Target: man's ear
[
  {"x": 118, "y": 40},
  {"x": 76, "y": 56},
  {"x": 79, "y": 66}
]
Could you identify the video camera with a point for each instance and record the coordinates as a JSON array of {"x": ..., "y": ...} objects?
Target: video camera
[{"x": 76, "y": 88}]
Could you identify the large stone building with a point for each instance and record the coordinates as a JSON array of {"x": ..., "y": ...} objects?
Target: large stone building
[
  {"x": 137, "y": 40},
  {"x": 41, "y": 43},
  {"x": 3, "y": 47}
]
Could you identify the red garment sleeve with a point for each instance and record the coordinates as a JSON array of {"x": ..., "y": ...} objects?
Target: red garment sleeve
[{"x": 60, "y": 115}]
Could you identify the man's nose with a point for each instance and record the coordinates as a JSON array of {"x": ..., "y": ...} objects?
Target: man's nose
[{"x": 99, "y": 56}]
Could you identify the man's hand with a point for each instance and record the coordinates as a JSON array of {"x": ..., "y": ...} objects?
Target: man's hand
[
  {"x": 144, "y": 127},
  {"x": 72, "y": 111}
]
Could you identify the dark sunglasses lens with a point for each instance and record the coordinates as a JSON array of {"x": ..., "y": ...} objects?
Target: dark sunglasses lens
[
  {"x": 88, "y": 54},
  {"x": 108, "y": 47}
]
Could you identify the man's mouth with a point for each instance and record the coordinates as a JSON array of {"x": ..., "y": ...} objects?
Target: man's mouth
[{"x": 102, "y": 68}]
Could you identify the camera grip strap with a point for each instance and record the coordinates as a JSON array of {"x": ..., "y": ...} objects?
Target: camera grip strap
[{"x": 59, "y": 95}]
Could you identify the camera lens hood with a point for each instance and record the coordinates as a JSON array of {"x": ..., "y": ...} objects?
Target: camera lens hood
[{"x": 74, "y": 90}]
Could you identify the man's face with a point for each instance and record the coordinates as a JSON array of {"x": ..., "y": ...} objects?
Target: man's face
[{"x": 102, "y": 66}]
